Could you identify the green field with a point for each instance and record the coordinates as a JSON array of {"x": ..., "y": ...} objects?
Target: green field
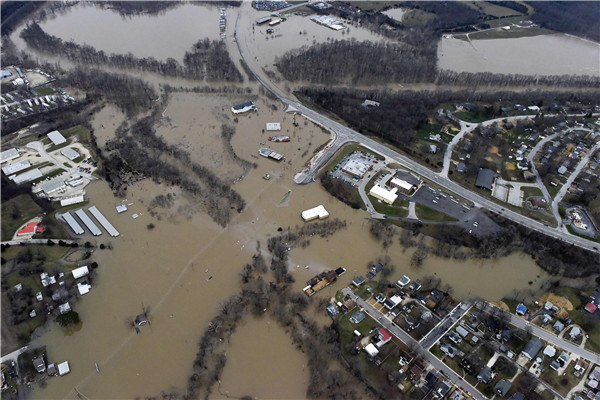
[
  {"x": 45, "y": 91},
  {"x": 17, "y": 211},
  {"x": 492, "y": 9},
  {"x": 398, "y": 209},
  {"x": 531, "y": 191},
  {"x": 429, "y": 214}
]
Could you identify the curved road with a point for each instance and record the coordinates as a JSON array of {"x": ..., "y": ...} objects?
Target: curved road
[{"x": 346, "y": 135}]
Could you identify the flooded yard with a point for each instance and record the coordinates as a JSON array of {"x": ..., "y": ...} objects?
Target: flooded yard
[{"x": 537, "y": 55}]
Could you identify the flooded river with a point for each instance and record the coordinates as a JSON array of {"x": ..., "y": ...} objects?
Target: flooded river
[
  {"x": 537, "y": 55},
  {"x": 183, "y": 266}
]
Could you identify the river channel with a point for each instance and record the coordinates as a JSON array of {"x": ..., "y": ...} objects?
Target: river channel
[{"x": 184, "y": 267}]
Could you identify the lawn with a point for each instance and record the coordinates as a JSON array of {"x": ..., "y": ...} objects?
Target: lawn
[
  {"x": 17, "y": 211},
  {"x": 45, "y": 91},
  {"x": 399, "y": 208},
  {"x": 492, "y": 9},
  {"x": 79, "y": 130},
  {"x": 529, "y": 191},
  {"x": 562, "y": 384},
  {"x": 426, "y": 213}
]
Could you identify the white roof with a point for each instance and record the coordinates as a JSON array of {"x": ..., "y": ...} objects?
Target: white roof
[
  {"x": 28, "y": 176},
  {"x": 64, "y": 308},
  {"x": 9, "y": 154},
  {"x": 70, "y": 153},
  {"x": 56, "y": 137},
  {"x": 356, "y": 167},
  {"x": 371, "y": 350},
  {"x": 83, "y": 288},
  {"x": 396, "y": 299},
  {"x": 16, "y": 167},
  {"x": 103, "y": 221},
  {"x": 72, "y": 223},
  {"x": 549, "y": 351},
  {"x": 401, "y": 183},
  {"x": 63, "y": 368},
  {"x": 79, "y": 272},
  {"x": 71, "y": 200},
  {"x": 121, "y": 208},
  {"x": 52, "y": 186},
  {"x": 88, "y": 222},
  {"x": 317, "y": 212},
  {"x": 273, "y": 126},
  {"x": 405, "y": 280},
  {"x": 383, "y": 194}
]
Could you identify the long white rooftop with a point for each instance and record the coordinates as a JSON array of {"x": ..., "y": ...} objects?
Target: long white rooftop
[
  {"x": 313, "y": 213},
  {"x": 74, "y": 225},
  {"x": 88, "y": 222},
  {"x": 103, "y": 221}
]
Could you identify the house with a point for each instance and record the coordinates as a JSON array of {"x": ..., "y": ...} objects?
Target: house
[
  {"x": 485, "y": 375},
  {"x": 371, "y": 350},
  {"x": 376, "y": 268},
  {"x": 563, "y": 359},
  {"x": 448, "y": 350},
  {"x": 461, "y": 167},
  {"x": 244, "y": 107},
  {"x": 575, "y": 333},
  {"x": 562, "y": 169},
  {"x": 141, "y": 319},
  {"x": 357, "y": 317},
  {"x": 455, "y": 337},
  {"x": 384, "y": 336},
  {"x": 558, "y": 326},
  {"x": 392, "y": 302},
  {"x": 405, "y": 280},
  {"x": 359, "y": 280},
  {"x": 332, "y": 309},
  {"x": 39, "y": 364},
  {"x": 442, "y": 389},
  {"x": 581, "y": 366},
  {"x": 380, "y": 298},
  {"x": 416, "y": 285},
  {"x": 51, "y": 369},
  {"x": 521, "y": 309},
  {"x": 506, "y": 334},
  {"x": 432, "y": 148},
  {"x": 462, "y": 331},
  {"x": 436, "y": 296},
  {"x": 517, "y": 396},
  {"x": 80, "y": 272},
  {"x": 550, "y": 307},
  {"x": 485, "y": 179},
  {"x": 502, "y": 387},
  {"x": 549, "y": 351},
  {"x": 532, "y": 348}
]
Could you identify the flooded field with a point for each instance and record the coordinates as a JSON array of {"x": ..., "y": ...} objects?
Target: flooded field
[
  {"x": 537, "y": 55},
  {"x": 169, "y": 34},
  {"x": 395, "y": 13}
]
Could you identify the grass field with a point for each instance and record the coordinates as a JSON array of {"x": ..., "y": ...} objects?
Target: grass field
[
  {"x": 15, "y": 212},
  {"x": 531, "y": 191},
  {"x": 492, "y": 9},
  {"x": 510, "y": 34},
  {"x": 399, "y": 208},
  {"x": 426, "y": 213},
  {"x": 44, "y": 91}
]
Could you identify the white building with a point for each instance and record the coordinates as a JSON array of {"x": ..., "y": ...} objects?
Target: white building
[
  {"x": 74, "y": 225},
  {"x": 70, "y": 153},
  {"x": 387, "y": 196},
  {"x": 28, "y": 176},
  {"x": 273, "y": 126},
  {"x": 83, "y": 288},
  {"x": 313, "y": 213},
  {"x": 16, "y": 167},
  {"x": 8, "y": 155},
  {"x": 52, "y": 186},
  {"x": 56, "y": 138},
  {"x": 371, "y": 350},
  {"x": 244, "y": 107},
  {"x": 63, "y": 368},
  {"x": 80, "y": 272},
  {"x": 71, "y": 200},
  {"x": 356, "y": 168}
]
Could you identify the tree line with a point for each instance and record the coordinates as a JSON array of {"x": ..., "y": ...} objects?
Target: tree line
[
  {"x": 207, "y": 59},
  {"x": 447, "y": 77},
  {"x": 580, "y": 18}
]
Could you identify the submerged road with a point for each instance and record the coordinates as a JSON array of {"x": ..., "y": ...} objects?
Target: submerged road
[{"x": 345, "y": 135}]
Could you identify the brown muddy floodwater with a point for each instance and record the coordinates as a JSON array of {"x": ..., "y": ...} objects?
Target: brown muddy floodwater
[
  {"x": 537, "y": 55},
  {"x": 169, "y": 34}
]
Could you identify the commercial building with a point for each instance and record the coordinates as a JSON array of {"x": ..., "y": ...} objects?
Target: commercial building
[
  {"x": 387, "y": 196},
  {"x": 273, "y": 126},
  {"x": 29, "y": 229},
  {"x": 70, "y": 153},
  {"x": 74, "y": 225},
  {"x": 103, "y": 221},
  {"x": 28, "y": 176},
  {"x": 56, "y": 138},
  {"x": 314, "y": 213},
  {"x": 52, "y": 186},
  {"x": 244, "y": 107},
  {"x": 71, "y": 200},
  {"x": 16, "y": 167},
  {"x": 485, "y": 179},
  {"x": 356, "y": 168},
  {"x": 88, "y": 222},
  {"x": 402, "y": 185},
  {"x": 8, "y": 155}
]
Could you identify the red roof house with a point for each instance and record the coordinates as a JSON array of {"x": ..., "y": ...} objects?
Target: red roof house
[
  {"x": 384, "y": 337},
  {"x": 590, "y": 307}
]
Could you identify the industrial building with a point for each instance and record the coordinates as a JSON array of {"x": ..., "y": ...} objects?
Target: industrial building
[
  {"x": 244, "y": 107},
  {"x": 402, "y": 185},
  {"x": 103, "y": 221},
  {"x": 314, "y": 213},
  {"x": 52, "y": 186},
  {"x": 72, "y": 200},
  {"x": 74, "y": 225},
  {"x": 28, "y": 176},
  {"x": 356, "y": 168},
  {"x": 381, "y": 193},
  {"x": 56, "y": 138},
  {"x": 8, "y": 155},
  {"x": 70, "y": 153},
  {"x": 16, "y": 167},
  {"x": 273, "y": 126},
  {"x": 88, "y": 222}
]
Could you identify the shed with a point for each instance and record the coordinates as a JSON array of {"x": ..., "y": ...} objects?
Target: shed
[
  {"x": 371, "y": 350},
  {"x": 462, "y": 331},
  {"x": 63, "y": 368}
]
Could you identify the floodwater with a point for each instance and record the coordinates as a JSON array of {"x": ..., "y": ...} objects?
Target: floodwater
[
  {"x": 167, "y": 268},
  {"x": 169, "y": 34},
  {"x": 395, "y": 13},
  {"x": 537, "y": 55}
]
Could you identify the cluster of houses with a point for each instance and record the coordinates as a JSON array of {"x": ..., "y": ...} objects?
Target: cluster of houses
[{"x": 52, "y": 369}]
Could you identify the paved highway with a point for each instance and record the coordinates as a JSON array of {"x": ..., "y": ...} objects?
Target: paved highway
[
  {"x": 344, "y": 135},
  {"x": 413, "y": 344}
]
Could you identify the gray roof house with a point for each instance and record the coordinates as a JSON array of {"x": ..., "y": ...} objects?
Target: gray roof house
[
  {"x": 485, "y": 375},
  {"x": 532, "y": 348},
  {"x": 502, "y": 387}
]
